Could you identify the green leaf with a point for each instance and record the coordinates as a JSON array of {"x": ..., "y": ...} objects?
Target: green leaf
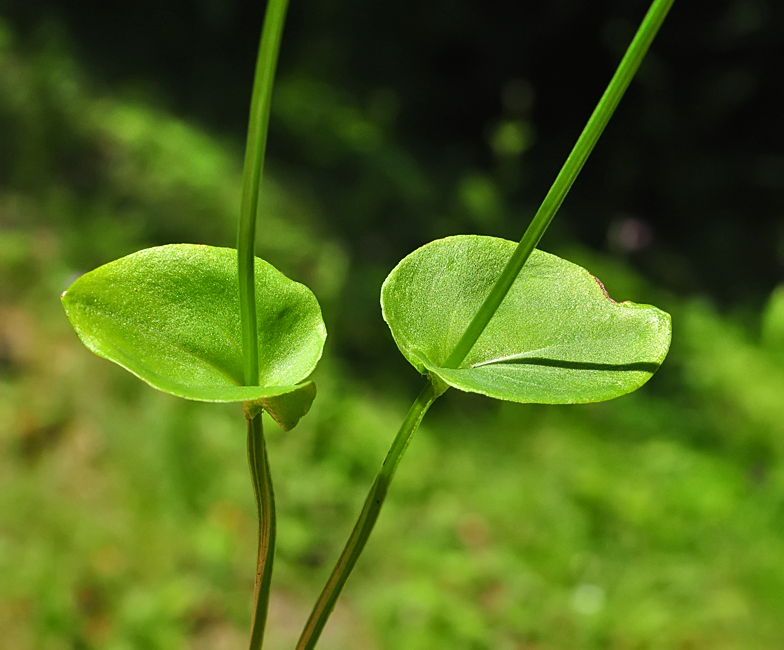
[
  {"x": 171, "y": 316},
  {"x": 557, "y": 338}
]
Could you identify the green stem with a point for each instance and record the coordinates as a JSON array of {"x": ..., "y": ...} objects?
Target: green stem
[
  {"x": 265, "y": 506},
  {"x": 258, "y": 125},
  {"x": 367, "y": 518},
  {"x": 563, "y": 182},
  {"x": 574, "y": 163},
  {"x": 251, "y": 180}
]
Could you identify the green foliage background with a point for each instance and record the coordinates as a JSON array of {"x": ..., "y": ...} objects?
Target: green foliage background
[{"x": 653, "y": 521}]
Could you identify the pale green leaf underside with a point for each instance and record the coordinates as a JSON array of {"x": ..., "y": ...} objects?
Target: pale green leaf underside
[
  {"x": 286, "y": 409},
  {"x": 171, "y": 316},
  {"x": 556, "y": 339}
]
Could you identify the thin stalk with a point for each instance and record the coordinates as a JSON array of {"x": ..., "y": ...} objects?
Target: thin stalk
[
  {"x": 258, "y": 124},
  {"x": 367, "y": 518},
  {"x": 265, "y": 506},
  {"x": 563, "y": 182}
]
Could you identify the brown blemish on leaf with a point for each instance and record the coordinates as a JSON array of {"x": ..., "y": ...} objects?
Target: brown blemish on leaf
[{"x": 604, "y": 290}]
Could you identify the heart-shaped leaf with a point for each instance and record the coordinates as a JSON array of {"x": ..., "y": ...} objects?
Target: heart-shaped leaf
[
  {"x": 171, "y": 316},
  {"x": 557, "y": 338}
]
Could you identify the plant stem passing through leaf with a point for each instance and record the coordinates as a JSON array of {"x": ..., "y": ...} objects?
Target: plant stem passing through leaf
[
  {"x": 566, "y": 177},
  {"x": 552, "y": 201},
  {"x": 258, "y": 124}
]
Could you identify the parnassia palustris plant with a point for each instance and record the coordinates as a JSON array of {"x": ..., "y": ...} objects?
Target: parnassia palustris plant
[
  {"x": 216, "y": 324},
  {"x": 479, "y": 314}
]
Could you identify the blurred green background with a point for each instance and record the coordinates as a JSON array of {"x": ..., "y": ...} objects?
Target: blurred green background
[{"x": 655, "y": 521}]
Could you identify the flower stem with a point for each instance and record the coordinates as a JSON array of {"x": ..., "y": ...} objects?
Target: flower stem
[
  {"x": 563, "y": 182},
  {"x": 566, "y": 177},
  {"x": 258, "y": 124},
  {"x": 265, "y": 506},
  {"x": 367, "y": 518}
]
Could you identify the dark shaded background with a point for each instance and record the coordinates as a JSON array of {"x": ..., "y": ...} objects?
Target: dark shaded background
[
  {"x": 694, "y": 152},
  {"x": 651, "y": 521}
]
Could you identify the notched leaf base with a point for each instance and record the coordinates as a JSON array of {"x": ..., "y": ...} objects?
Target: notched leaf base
[{"x": 287, "y": 409}]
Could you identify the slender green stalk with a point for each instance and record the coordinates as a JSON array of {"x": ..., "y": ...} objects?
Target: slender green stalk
[
  {"x": 265, "y": 506},
  {"x": 367, "y": 518},
  {"x": 563, "y": 182},
  {"x": 258, "y": 125},
  {"x": 251, "y": 180}
]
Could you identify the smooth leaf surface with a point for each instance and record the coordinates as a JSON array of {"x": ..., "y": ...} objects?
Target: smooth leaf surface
[
  {"x": 557, "y": 338},
  {"x": 171, "y": 316}
]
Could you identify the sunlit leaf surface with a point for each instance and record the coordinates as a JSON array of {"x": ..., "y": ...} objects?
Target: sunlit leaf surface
[
  {"x": 171, "y": 316},
  {"x": 557, "y": 337}
]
